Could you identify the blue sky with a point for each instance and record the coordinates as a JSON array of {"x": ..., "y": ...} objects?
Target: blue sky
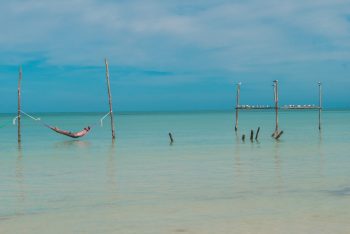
[{"x": 173, "y": 55}]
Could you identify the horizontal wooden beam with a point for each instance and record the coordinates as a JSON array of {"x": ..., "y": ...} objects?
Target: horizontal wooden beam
[{"x": 281, "y": 108}]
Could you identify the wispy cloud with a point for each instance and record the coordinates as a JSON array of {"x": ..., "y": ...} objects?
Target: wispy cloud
[{"x": 159, "y": 33}]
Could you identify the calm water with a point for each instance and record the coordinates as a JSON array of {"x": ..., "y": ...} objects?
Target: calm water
[{"x": 208, "y": 181}]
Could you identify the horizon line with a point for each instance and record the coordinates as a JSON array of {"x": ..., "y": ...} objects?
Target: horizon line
[{"x": 168, "y": 111}]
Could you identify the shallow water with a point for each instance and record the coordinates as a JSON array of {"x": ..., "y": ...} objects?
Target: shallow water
[{"x": 208, "y": 181}]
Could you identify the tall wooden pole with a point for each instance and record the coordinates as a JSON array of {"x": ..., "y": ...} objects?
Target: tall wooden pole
[
  {"x": 110, "y": 100},
  {"x": 19, "y": 105},
  {"x": 237, "y": 103},
  {"x": 275, "y": 85},
  {"x": 320, "y": 104}
]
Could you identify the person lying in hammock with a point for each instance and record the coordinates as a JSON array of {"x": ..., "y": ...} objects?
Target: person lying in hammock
[{"x": 71, "y": 134}]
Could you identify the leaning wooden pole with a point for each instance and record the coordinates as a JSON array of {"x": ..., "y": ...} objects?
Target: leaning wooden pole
[
  {"x": 19, "y": 105},
  {"x": 275, "y": 85},
  {"x": 110, "y": 100},
  {"x": 320, "y": 104},
  {"x": 237, "y": 103}
]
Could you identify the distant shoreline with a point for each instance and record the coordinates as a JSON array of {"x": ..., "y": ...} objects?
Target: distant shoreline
[{"x": 165, "y": 112}]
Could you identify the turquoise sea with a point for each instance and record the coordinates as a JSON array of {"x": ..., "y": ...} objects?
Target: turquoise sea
[{"x": 208, "y": 181}]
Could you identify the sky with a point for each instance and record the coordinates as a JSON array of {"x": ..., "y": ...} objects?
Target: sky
[{"x": 168, "y": 55}]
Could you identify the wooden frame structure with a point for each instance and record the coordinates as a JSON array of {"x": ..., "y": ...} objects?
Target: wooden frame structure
[
  {"x": 276, "y": 106},
  {"x": 19, "y": 111}
]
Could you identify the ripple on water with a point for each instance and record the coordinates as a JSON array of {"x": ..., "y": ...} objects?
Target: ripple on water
[{"x": 342, "y": 192}]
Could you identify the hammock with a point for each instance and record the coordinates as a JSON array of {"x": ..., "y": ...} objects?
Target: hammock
[
  {"x": 82, "y": 133},
  {"x": 70, "y": 134}
]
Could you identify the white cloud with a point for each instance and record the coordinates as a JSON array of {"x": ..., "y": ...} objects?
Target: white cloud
[{"x": 191, "y": 35}]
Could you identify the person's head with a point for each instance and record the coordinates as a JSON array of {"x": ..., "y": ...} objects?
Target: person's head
[{"x": 87, "y": 128}]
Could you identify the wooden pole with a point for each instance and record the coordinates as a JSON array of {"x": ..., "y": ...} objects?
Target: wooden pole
[
  {"x": 251, "y": 135},
  {"x": 279, "y": 135},
  {"x": 237, "y": 103},
  {"x": 19, "y": 105},
  {"x": 276, "y": 105},
  {"x": 320, "y": 104},
  {"x": 110, "y": 100},
  {"x": 171, "y": 138},
  {"x": 257, "y": 134}
]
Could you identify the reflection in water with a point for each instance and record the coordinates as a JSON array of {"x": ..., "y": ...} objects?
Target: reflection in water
[
  {"x": 320, "y": 154},
  {"x": 20, "y": 179},
  {"x": 72, "y": 144},
  {"x": 342, "y": 192},
  {"x": 111, "y": 172},
  {"x": 278, "y": 163},
  {"x": 237, "y": 156}
]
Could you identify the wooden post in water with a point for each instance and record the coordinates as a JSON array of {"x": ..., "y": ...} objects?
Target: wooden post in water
[
  {"x": 19, "y": 105},
  {"x": 320, "y": 104},
  {"x": 237, "y": 103},
  {"x": 251, "y": 135},
  {"x": 171, "y": 138},
  {"x": 279, "y": 135},
  {"x": 257, "y": 134},
  {"x": 275, "y": 85},
  {"x": 110, "y": 100}
]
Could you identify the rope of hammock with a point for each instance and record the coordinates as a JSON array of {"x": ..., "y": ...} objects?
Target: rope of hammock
[
  {"x": 28, "y": 115},
  {"x": 105, "y": 116}
]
